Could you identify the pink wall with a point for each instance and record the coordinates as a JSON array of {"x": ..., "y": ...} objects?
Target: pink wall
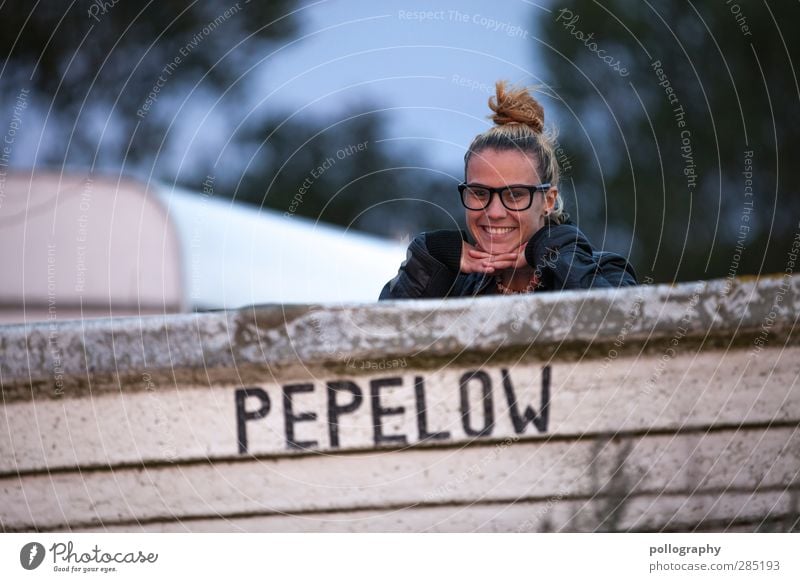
[{"x": 80, "y": 244}]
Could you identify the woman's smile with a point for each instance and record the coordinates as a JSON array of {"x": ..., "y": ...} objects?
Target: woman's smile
[{"x": 496, "y": 233}]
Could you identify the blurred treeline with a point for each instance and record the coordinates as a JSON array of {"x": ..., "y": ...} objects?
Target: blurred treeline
[
  {"x": 91, "y": 69},
  {"x": 732, "y": 68},
  {"x": 92, "y": 66}
]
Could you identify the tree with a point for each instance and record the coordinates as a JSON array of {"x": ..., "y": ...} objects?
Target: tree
[
  {"x": 120, "y": 86},
  {"x": 667, "y": 111},
  {"x": 106, "y": 74},
  {"x": 344, "y": 174}
]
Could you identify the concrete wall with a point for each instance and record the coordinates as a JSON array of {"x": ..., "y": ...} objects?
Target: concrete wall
[{"x": 652, "y": 408}]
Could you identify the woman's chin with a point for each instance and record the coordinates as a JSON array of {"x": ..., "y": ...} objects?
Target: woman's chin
[
  {"x": 497, "y": 244},
  {"x": 497, "y": 248}
]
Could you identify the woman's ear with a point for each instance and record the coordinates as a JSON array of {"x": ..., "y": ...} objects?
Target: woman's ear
[{"x": 550, "y": 199}]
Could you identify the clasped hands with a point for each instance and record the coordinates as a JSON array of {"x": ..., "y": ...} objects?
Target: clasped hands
[{"x": 474, "y": 259}]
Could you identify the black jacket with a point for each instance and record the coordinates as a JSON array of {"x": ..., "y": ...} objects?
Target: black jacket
[{"x": 560, "y": 254}]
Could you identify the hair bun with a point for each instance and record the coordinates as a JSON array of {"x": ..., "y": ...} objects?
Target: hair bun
[{"x": 516, "y": 105}]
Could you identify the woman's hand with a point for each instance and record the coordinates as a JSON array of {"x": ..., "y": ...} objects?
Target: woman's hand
[{"x": 476, "y": 260}]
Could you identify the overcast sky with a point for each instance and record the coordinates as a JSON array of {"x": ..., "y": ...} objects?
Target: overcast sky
[
  {"x": 431, "y": 64},
  {"x": 435, "y": 73}
]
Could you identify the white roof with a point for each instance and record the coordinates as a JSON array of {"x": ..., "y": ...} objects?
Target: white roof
[{"x": 235, "y": 255}]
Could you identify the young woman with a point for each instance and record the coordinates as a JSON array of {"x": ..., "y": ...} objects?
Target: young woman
[{"x": 521, "y": 239}]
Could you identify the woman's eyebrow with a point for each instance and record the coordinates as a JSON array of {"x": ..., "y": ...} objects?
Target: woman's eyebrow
[{"x": 496, "y": 187}]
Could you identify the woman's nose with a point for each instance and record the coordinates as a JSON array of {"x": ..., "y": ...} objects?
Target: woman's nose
[{"x": 496, "y": 208}]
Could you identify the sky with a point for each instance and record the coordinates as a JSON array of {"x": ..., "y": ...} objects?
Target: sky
[{"x": 433, "y": 65}]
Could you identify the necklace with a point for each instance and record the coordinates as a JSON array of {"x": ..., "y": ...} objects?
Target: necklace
[{"x": 534, "y": 282}]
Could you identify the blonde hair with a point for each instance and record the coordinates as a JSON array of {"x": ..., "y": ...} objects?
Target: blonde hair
[{"x": 519, "y": 126}]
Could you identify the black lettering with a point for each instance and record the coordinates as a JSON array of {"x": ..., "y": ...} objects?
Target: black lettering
[
  {"x": 488, "y": 408},
  {"x": 520, "y": 421},
  {"x": 378, "y": 412},
  {"x": 290, "y": 418},
  {"x": 242, "y": 416},
  {"x": 335, "y": 410},
  {"x": 422, "y": 413}
]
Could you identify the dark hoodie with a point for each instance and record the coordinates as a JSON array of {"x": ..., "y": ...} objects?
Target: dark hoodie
[{"x": 560, "y": 254}]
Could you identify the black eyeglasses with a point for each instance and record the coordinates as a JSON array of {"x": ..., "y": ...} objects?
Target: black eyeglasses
[{"x": 515, "y": 197}]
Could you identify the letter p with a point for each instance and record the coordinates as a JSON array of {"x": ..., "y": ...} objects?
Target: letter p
[
  {"x": 564, "y": 13},
  {"x": 242, "y": 415}
]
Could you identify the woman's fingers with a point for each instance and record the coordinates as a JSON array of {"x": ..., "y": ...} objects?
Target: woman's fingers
[
  {"x": 504, "y": 257},
  {"x": 476, "y": 260},
  {"x": 500, "y": 265},
  {"x": 473, "y": 251},
  {"x": 478, "y": 266}
]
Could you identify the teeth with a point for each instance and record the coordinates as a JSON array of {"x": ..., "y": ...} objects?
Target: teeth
[{"x": 497, "y": 230}]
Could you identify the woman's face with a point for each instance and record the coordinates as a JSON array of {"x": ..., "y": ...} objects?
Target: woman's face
[{"x": 497, "y": 229}]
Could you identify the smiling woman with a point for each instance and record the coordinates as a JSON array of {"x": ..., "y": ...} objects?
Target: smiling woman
[{"x": 521, "y": 239}]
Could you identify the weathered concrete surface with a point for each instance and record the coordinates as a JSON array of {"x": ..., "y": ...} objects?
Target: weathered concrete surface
[
  {"x": 666, "y": 407},
  {"x": 616, "y": 470},
  {"x": 627, "y": 395},
  {"x": 673, "y": 512},
  {"x": 252, "y": 343}
]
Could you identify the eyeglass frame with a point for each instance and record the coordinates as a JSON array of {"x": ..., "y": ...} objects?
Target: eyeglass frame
[{"x": 492, "y": 191}]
